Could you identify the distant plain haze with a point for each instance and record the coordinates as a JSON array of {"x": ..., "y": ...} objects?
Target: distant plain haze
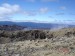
[{"x": 45, "y": 11}]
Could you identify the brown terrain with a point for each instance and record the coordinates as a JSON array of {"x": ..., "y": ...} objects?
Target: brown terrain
[{"x": 59, "y": 42}]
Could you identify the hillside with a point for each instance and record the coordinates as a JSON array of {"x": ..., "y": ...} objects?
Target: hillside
[{"x": 38, "y": 42}]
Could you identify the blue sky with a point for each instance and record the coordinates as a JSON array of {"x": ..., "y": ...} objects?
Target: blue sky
[{"x": 37, "y": 10}]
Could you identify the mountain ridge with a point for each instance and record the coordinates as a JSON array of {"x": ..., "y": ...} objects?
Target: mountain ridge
[{"x": 35, "y": 25}]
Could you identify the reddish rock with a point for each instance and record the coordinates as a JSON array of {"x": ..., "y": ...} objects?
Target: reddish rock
[{"x": 64, "y": 50}]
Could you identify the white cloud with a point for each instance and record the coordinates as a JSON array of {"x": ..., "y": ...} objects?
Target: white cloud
[
  {"x": 6, "y": 10},
  {"x": 10, "y": 9},
  {"x": 43, "y": 10}
]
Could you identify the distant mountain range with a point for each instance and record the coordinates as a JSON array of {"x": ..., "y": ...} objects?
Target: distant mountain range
[
  {"x": 11, "y": 27},
  {"x": 33, "y": 25}
]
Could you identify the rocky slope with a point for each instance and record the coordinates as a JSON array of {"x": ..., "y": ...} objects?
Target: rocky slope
[
  {"x": 38, "y": 42},
  {"x": 63, "y": 46}
]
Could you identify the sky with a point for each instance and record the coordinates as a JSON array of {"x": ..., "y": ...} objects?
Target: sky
[{"x": 37, "y": 10}]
